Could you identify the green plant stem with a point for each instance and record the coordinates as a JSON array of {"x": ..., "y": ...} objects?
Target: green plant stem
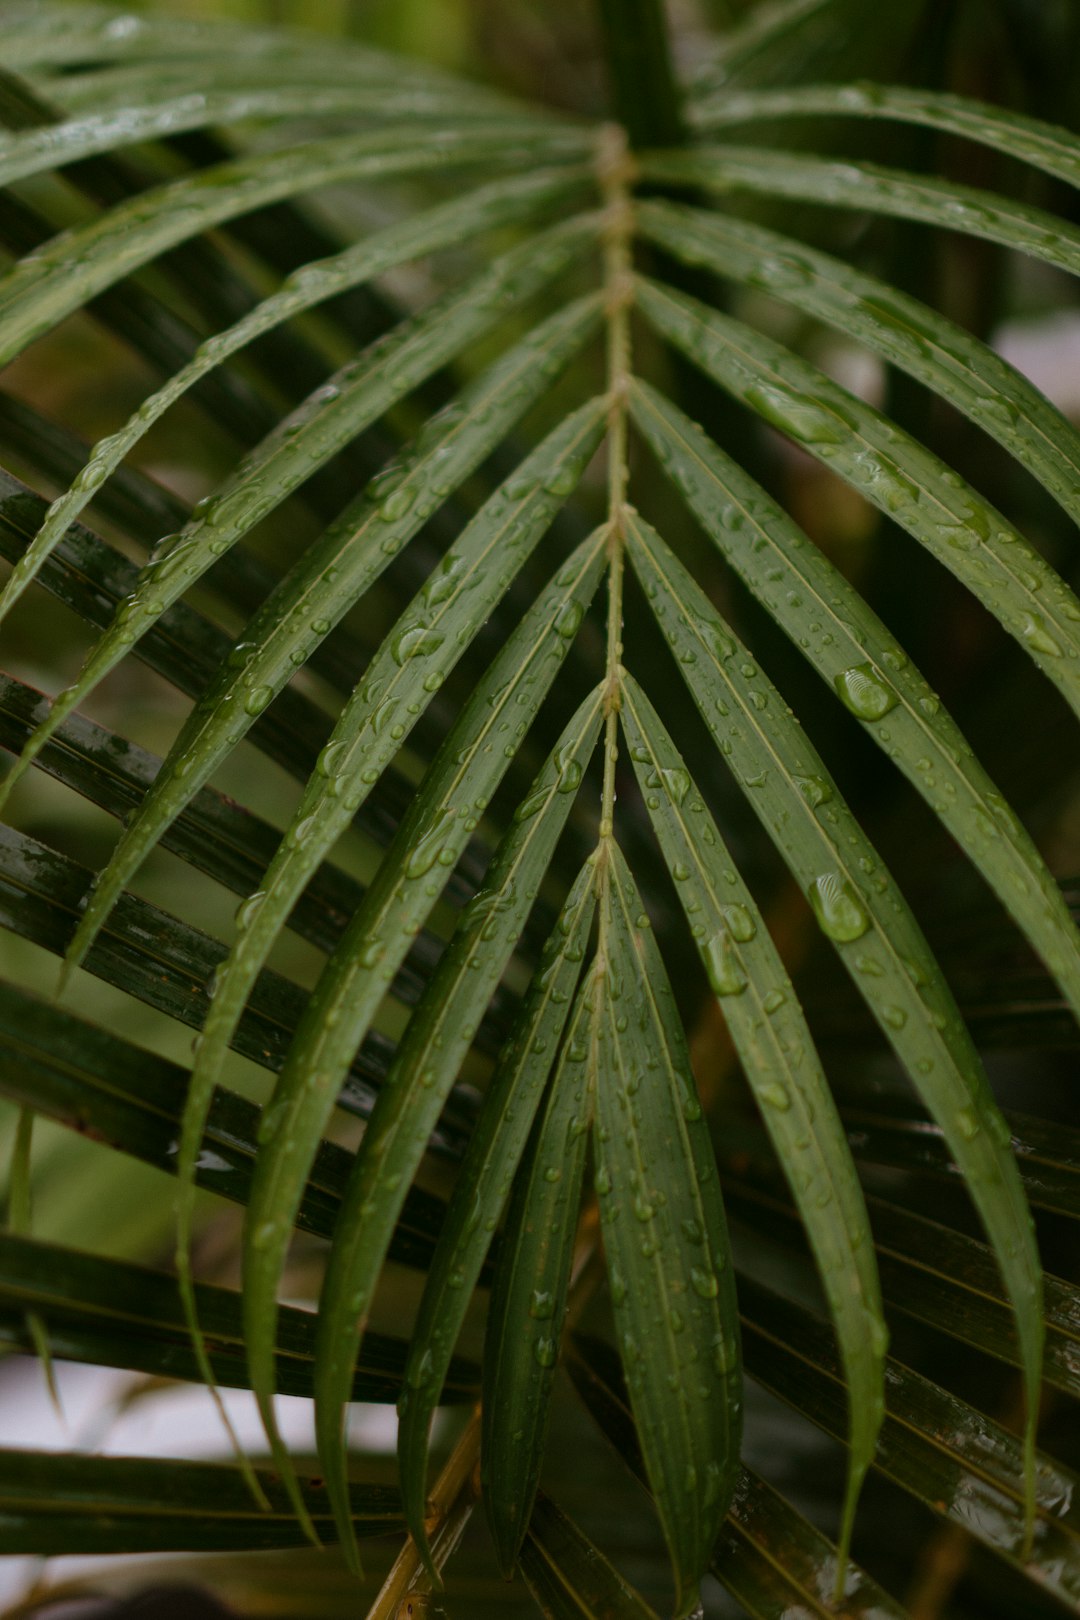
[
  {"x": 638, "y": 52},
  {"x": 616, "y": 171}
]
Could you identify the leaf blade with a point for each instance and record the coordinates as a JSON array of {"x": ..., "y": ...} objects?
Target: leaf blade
[
  {"x": 862, "y": 914},
  {"x": 765, "y": 1021},
  {"x": 302, "y": 443},
  {"x": 431, "y": 1053},
  {"x": 877, "y": 190},
  {"x": 895, "y": 473},
  {"x": 1049, "y": 147},
  {"x": 800, "y": 588},
  {"x": 495, "y": 1150},
  {"x": 906, "y": 333},
  {"x": 672, "y": 1289},
  {"x": 80, "y": 264},
  {"x": 529, "y": 1296},
  {"x": 569, "y": 1577}
]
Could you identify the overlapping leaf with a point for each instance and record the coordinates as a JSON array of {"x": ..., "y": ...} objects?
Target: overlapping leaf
[
  {"x": 916, "y": 490},
  {"x": 859, "y": 909},
  {"x": 427, "y": 1062},
  {"x": 665, "y": 1238},
  {"x": 483, "y": 1185},
  {"x": 778, "y": 1056},
  {"x": 528, "y": 1301},
  {"x": 854, "y": 652},
  {"x": 412, "y": 354}
]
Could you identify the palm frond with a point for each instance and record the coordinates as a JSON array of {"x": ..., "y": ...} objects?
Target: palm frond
[{"x": 386, "y": 604}]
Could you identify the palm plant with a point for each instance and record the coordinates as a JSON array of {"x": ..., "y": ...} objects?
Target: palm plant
[{"x": 491, "y": 410}]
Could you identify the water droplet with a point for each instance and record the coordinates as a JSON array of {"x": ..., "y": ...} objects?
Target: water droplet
[
  {"x": 774, "y": 1095},
  {"x": 863, "y": 691},
  {"x": 839, "y": 911},
  {"x": 569, "y": 771},
  {"x": 420, "y": 1371},
  {"x": 241, "y": 654},
  {"x": 563, "y": 480},
  {"x": 264, "y": 1234},
  {"x": 814, "y": 789},
  {"x": 704, "y": 1282},
  {"x": 416, "y": 641},
  {"x": 967, "y": 1123},
  {"x": 1038, "y": 636},
  {"x": 740, "y": 923},
  {"x": 542, "y": 1304},
  {"x": 397, "y": 503},
  {"x": 677, "y": 783},
  {"x": 723, "y": 967},
  {"x": 568, "y": 619},
  {"x": 545, "y": 1352},
  {"x": 429, "y": 847},
  {"x": 800, "y": 416},
  {"x": 247, "y": 909},
  {"x": 257, "y": 699},
  {"x": 529, "y": 807},
  {"x": 444, "y": 582}
]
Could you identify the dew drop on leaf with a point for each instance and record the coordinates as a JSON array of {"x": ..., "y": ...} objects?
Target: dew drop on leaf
[
  {"x": 839, "y": 911},
  {"x": 722, "y": 966},
  {"x": 863, "y": 691}
]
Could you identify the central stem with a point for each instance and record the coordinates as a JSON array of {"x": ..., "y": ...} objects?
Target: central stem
[{"x": 616, "y": 172}]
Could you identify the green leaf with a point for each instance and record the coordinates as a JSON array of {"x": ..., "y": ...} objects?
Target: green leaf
[
  {"x": 1047, "y": 1153},
  {"x": 955, "y": 1460},
  {"x": 113, "y": 1092},
  {"x": 532, "y": 1278},
  {"x": 1048, "y": 147},
  {"x": 665, "y": 1238},
  {"x": 71, "y": 34},
  {"x": 363, "y": 540},
  {"x": 569, "y": 1577},
  {"x": 428, "y": 1060},
  {"x": 866, "y": 186},
  {"x": 186, "y": 649},
  {"x": 483, "y": 1184},
  {"x": 88, "y": 90},
  {"x": 113, "y": 1314},
  {"x": 803, "y": 1579},
  {"x": 28, "y": 153},
  {"x": 796, "y": 40},
  {"x": 86, "y": 260},
  {"x": 163, "y": 961},
  {"x": 905, "y": 332},
  {"x": 362, "y": 391},
  {"x": 447, "y": 614},
  {"x": 52, "y": 1503},
  {"x": 858, "y": 908},
  {"x": 767, "y": 1026},
  {"x": 935, "y": 1275},
  {"x": 767, "y": 1554},
  {"x": 898, "y": 475},
  {"x": 855, "y": 654},
  {"x": 364, "y": 740},
  {"x": 949, "y": 1280},
  {"x": 19, "y": 1187}
]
